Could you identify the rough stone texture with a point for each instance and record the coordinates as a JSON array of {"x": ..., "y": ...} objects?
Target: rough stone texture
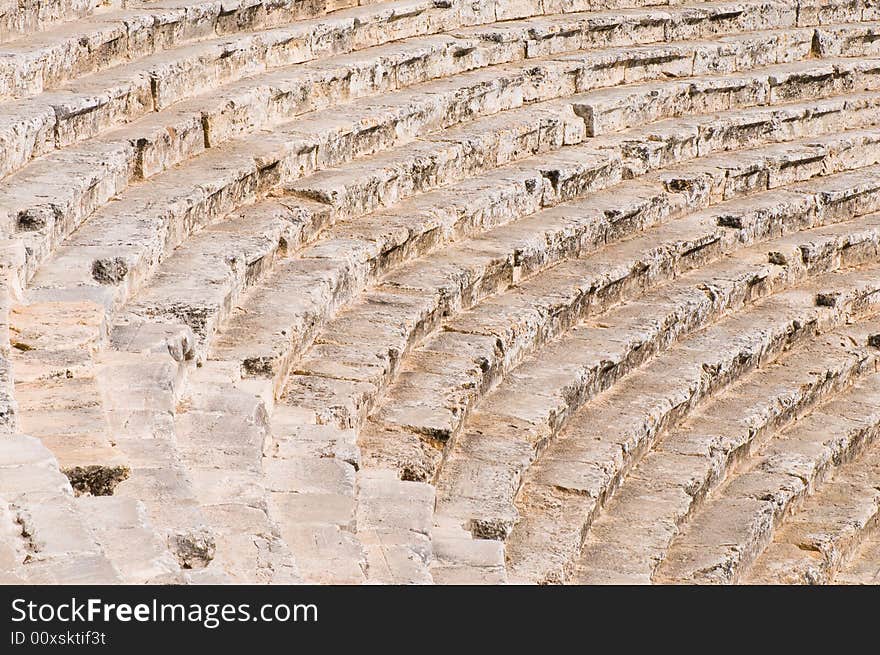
[{"x": 416, "y": 292}]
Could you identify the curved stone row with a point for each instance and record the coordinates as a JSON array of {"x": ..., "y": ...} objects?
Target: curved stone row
[
  {"x": 303, "y": 65},
  {"x": 770, "y": 484},
  {"x": 415, "y": 292}
]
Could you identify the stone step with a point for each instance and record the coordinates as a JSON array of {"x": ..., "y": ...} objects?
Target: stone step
[
  {"x": 59, "y": 391},
  {"x": 610, "y": 110},
  {"x": 127, "y": 539},
  {"x": 221, "y": 428},
  {"x": 864, "y": 567},
  {"x": 615, "y": 22},
  {"x": 511, "y": 326},
  {"x": 543, "y": 543},
  {"x": 146, "y": 147},
  {"x": 538, "y": 402},
  {"x": 107, "y": 39},
  {"x": 335, "y": 268},
  {"x": 161, "y": 484},
  {"x": 204, "y": 94},
  {"x": 196, "y": 288},
  {"x": 234, "y": 256},
  {"x": 310, "y": 472},
  {"x": 368, "y": 525},
  {"x": 225, "y": 90},
  {"x": 818, "y": 10},
  {"x": 239, "y": 172},
  {"x": 666, "y": 484},
  {"x": 50, "y": 542},
  {"x": 546, "y": 75},
  {"x": 143, "y": 393},
  {"x": 554, "y": 517},
  {"x": 362, "y": 186},
  {"x": 222, "y": 179},
  {"x": 40, "y": 61},
  {"x": 19, "y": 18},
  {"x": 186, "y": 252},
  {"x": 394, "y": 524},
  {"x": 268, "y": 350},
  {"x": 830, "y": 536},
  {"x": 674, "y": 140},
  {"x": 499, "y": 333},
  {"x": 459, "y": 558},
  {"x": 271, "y": 208},
  {"x": 770, "y": 481},
  {"x": 280, "y": 275}
]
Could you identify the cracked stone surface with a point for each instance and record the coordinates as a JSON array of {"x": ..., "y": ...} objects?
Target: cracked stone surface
[{"x": 419, "y": 292}]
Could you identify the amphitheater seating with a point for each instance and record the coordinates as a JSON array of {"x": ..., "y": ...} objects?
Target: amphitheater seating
[{"x": 454, "y": 292}]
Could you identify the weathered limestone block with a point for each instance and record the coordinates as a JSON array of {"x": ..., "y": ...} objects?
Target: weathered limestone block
[
  {"x": 364, "y": 147},
  {"x": 127, "y": 538},
  {"x": 309, "y": 472},
  {"x": 394, "y": 522},
  {"x": 55, "y": 544},
  {"x": 19, "y": 18},
  {"x": 159, "y": 482},
  {"x": 90, "y": 105},
  {"x": 26, "y": 131},
  {"x": 834, "y": 40},
  {"x": 822, "y": 12},
  {"x": 458, "y": 558},
  {"x": 380, "y": 371},
  {"x": 38, "y": 201}
]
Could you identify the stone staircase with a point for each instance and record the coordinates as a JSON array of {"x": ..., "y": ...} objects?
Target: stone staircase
[{"x": 420, "y": 291}]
